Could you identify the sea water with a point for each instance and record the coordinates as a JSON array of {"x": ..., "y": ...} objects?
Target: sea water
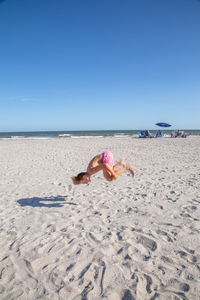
[{"x": 83, "y": 134}]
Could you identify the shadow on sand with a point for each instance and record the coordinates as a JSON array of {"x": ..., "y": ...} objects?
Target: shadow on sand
[{"x": 58, "y": 201}]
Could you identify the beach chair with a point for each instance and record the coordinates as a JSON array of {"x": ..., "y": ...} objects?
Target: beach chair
[{"x": 142, "y": 134}]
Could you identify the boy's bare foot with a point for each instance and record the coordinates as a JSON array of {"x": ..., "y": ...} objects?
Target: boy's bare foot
[
  {"x": 129, "y": 168},
  {"x": 122, "y": 163}
]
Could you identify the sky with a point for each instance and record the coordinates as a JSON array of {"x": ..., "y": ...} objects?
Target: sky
[{"x": 99, "y": 64}]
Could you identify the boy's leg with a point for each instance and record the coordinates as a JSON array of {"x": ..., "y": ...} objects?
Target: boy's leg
[
  {"x": 124, "y": 169},
  {"x": 117, "y": 165}
]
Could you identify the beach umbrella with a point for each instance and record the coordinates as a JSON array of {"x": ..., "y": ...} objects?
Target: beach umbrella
[{"x": 163, "y": 124}]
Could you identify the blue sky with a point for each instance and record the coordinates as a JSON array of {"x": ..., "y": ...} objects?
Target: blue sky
[{"x": 106, "y": 64}]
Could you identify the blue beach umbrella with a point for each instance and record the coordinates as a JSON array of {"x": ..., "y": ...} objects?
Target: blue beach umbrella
[{"x": 163, "y": 124}]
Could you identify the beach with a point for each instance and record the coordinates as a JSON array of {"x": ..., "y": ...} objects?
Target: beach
[{"x": 133, "y": 238}]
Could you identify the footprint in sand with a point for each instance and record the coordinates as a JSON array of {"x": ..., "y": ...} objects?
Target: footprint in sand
[
  {"x": 127, "y": 295},
  {"x": 144, "y": 282},
  {"x": 194, "y": 259},
  {"x": 178, "y": 288},
  {"x": 69, "y": 187},
  {"x": 88, "y": 288},
  {"x": 165, "y": 235},
  {"x": 119, "y": 236},
  {"x": 82, "y": 273},
  {"x": 91, "y": 238},
  {"x": 147, "y": 242}
]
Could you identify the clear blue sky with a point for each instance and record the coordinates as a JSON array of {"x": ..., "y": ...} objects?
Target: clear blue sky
[{"x": 99, "y": 64}]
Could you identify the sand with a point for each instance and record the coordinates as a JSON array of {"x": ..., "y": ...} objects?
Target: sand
[{"x": 134, "y": 238}]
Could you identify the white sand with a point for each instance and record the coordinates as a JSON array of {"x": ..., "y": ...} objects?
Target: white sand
[{"x": 135, "y": 238}]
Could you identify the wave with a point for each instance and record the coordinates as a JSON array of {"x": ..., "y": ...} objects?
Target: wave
[
  {"x": 86, "y": 136},
  {"x": 121, "y": 135},
  {"x": 64, "y": 135},
  {"x": 25, "y": 138}
]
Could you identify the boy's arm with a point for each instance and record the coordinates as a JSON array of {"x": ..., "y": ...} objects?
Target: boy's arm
[
  {"x": 106, "y": 166},
  {"x": 94, "y": 170}
]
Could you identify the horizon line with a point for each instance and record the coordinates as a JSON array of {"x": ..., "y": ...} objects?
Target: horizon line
[{"x": 87, "y": 130}]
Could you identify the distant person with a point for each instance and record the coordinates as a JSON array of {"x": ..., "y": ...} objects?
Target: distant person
[
  {"x": 148, "y": 134},
  {"x": 179, "y": 134},
  {"x": 103, "y": 162},
  {"x": 184, "y": 134},
  {"x": 174, "y": 134},
  {"x": 159, "y": 133}
]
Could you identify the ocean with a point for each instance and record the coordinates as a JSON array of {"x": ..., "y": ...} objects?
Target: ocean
[{"x": 82, "y": 134}]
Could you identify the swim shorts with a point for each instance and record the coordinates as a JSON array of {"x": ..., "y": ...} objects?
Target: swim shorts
[{"x": 108, "y": 158}]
